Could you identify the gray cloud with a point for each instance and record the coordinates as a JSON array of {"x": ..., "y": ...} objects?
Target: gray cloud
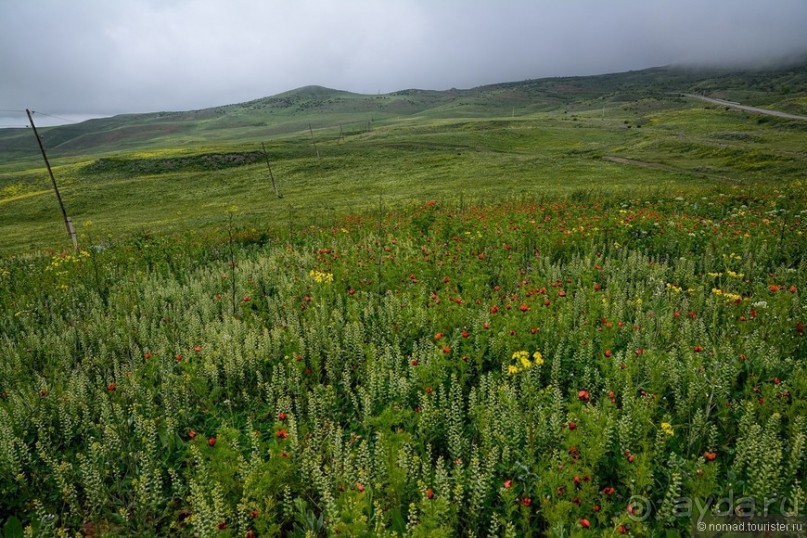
[{"x": 104, "y": 57}]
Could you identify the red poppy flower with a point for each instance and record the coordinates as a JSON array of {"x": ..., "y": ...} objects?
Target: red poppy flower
[
  {"x": 584, "y": 523},
  {"x": 111, "y": 387},
  {"x": 281, "y": 434},
  {"x": 282, "y": 416},
  {"x": 583, "y": 395},
  {"x": 211, "y": 441},
  {"x": 710, "y": 456},
  {"x": 508, "y": 484}
]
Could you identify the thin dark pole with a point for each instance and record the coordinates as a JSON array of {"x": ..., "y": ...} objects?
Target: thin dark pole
[
  {"x": 271, "y": 175},
  {"x": 67, "y": 222},
  {"x": 313, "y": 142}
]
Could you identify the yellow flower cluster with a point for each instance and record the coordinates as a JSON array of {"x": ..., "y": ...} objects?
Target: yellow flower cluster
[
  {"x": 673, "y": 288},
  {"x": 61, "y": 259},
  {"x": 667, "y": 428},
  {"x": 320, "y": 276},
  {"x": 522, "y": 361},
  {"x": 730, "y": 297}
]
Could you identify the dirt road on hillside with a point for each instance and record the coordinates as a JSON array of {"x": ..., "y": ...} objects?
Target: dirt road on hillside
[{"x": 747, "y": 108}]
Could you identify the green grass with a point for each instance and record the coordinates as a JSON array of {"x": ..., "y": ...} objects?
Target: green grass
[
  {"x": 350, "y": 358},
  {"x": 183, "y": 188},
  {"x": 179, "y": 171}
]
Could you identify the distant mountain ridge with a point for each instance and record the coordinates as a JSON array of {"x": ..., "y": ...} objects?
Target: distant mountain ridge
[{"x": 783, "y": 88}]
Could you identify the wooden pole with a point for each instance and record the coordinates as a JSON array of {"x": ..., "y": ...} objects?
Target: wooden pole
[
  {"x": 271, "y": 175},
  {"x": 310, "y": 130},
  {"x": 68, "y": 223}
]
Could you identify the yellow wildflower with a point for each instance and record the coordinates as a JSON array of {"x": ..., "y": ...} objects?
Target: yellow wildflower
[
  {"x": 321, "y": 277},
  {"x": 667, "y": 428},
  {"x": 538, "y": 358}
]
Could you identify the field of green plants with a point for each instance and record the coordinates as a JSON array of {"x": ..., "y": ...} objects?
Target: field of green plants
[
  {"x": 564, "y": 307},
  {"x": 559, "y": 365}
]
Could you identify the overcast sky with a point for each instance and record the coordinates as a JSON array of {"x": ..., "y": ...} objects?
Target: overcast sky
[{"x": 74, "y": 58}]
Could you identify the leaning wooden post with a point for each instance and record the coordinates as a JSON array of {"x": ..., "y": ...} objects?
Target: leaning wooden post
[
  {"x": 271, "y": 175},
  {"x": 68, "y": 223}
]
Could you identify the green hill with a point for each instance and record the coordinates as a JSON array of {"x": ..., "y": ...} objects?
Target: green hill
[
  {"x": 293, "y": 111},
  {"x": 335, "y": 152}
]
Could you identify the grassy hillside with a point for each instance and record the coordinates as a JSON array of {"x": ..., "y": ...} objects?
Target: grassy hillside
[
  {"x": 181, "y": 171},
  {"x": 784, "y": 89},
  {"x": 551, "y": 308}
]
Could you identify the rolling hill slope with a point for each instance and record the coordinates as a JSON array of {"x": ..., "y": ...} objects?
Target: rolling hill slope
[{"x": 294, "y": 111}]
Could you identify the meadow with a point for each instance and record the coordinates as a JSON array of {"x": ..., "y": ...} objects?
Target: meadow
[{"x": 579, "y": 321}]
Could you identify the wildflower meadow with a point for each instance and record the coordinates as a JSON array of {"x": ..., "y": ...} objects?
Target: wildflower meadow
[{"x": 572, "y": 365}]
